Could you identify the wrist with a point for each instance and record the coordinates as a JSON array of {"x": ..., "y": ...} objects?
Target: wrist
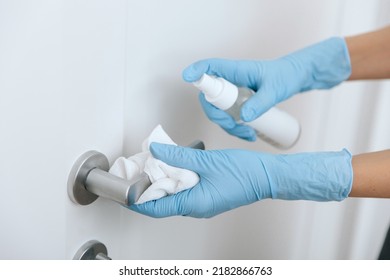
[{"x": 371, "y": 175}]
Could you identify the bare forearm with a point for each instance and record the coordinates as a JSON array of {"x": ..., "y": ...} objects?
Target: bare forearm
[
  {"x": 370, "y": 55},
  {"x": 371, "y": 175}
]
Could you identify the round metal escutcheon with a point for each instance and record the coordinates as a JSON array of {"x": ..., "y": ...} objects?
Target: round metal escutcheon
[
  {"x": 76, "y": 181},
  {"x": 92, "y": 250}
]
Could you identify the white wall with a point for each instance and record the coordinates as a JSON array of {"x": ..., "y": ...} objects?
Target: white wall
[{"x": 163, "y": 38}]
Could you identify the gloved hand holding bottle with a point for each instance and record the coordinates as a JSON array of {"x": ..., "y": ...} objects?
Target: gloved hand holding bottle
[
  {"x": 233, "y": 178},
  {"x": 320, "y": 66}
]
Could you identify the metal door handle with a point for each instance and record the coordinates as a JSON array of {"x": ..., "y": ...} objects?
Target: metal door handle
[
  {"x": 89, "y": 179},
  {"x": 92, "y": 250}
]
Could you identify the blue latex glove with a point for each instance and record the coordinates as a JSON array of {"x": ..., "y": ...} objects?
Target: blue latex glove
[
  {"x": 233, "y": 178},
  {"x": 320, "y": 66}
]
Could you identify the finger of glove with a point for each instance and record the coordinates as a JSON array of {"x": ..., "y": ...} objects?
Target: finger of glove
[
  {"x": 182, "y": 157},
  {"x": 160, "y": 208},
  {"x": 244, "y": 132},
  {"x": 240, "y": 73},
  {"x": 185, "y": 203},
  {"x": 258, "y": 104},
  {"x": 226, "y": 122},
  {"x": 216, "y": 115}
]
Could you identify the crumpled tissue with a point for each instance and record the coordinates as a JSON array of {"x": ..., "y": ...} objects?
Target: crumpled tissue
[{"x": 166, "y": 179}]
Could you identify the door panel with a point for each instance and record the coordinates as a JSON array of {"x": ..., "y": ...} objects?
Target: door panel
[{"x": 61, "y": 94}]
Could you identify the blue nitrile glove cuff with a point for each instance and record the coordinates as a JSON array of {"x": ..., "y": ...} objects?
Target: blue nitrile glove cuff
[
  {"x": 322, "y": 176},
  {"x": 322, "y": 65}
]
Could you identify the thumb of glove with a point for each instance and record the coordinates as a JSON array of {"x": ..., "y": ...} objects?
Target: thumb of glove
[
  {"x": 258, "y": 104},
  {"x": 181, "y": 157}
]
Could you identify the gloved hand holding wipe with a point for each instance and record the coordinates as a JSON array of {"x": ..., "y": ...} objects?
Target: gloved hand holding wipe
[{"x": 233, "y": 178}]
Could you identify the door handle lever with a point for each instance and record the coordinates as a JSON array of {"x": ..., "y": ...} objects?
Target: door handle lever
[{"x": 89, "y": 179}]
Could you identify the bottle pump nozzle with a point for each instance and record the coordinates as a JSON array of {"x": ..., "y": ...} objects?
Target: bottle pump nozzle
[{"x": 217, "y": 91}]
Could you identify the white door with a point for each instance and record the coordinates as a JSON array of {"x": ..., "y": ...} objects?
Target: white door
[{"x": 61, "y": 94}]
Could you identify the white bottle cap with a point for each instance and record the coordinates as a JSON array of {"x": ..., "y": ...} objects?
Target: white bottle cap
[{"x": 219, "y": 92}]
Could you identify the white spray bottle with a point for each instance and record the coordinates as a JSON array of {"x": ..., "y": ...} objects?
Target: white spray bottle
[{"x": 275, "y": 126}]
